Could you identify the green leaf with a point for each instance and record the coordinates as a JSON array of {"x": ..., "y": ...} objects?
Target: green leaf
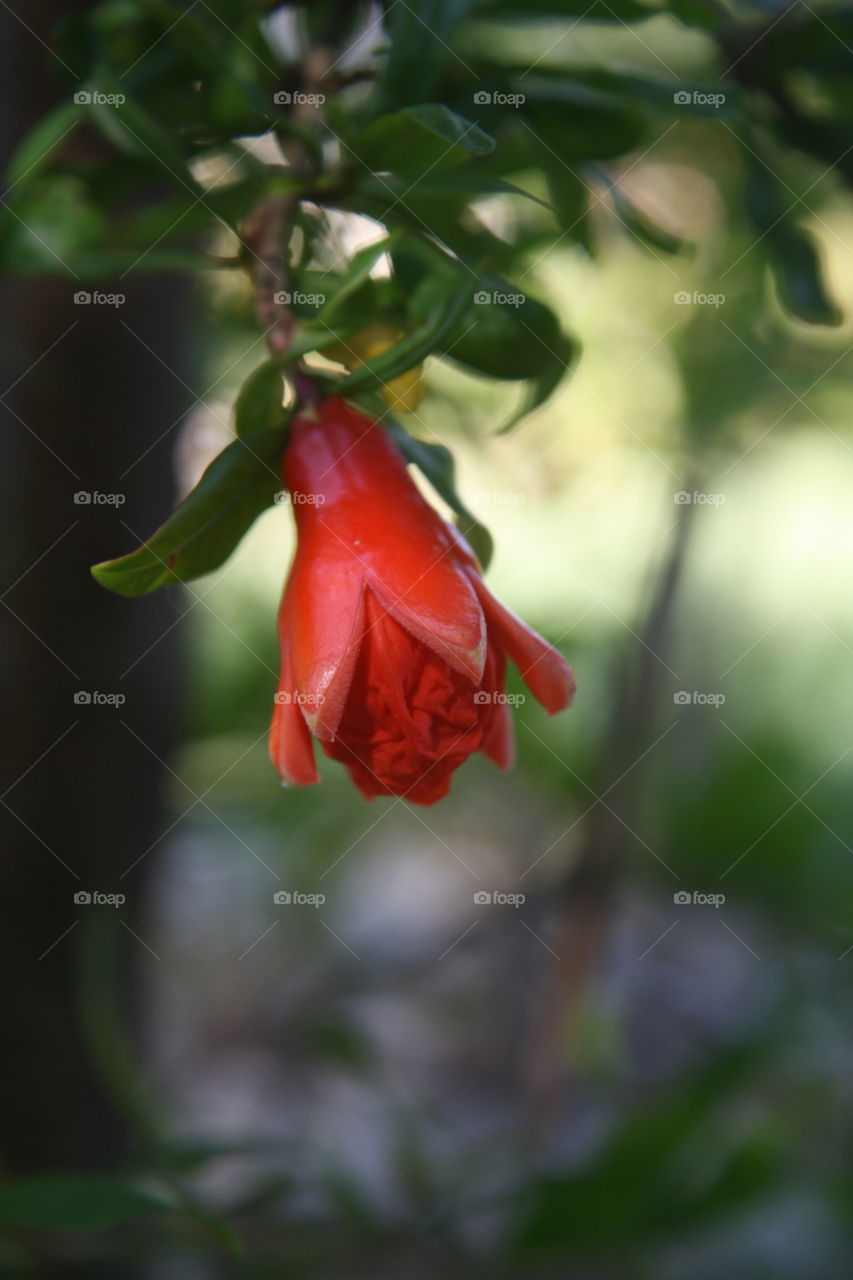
[
  {"x": 612, "y": 11},
  {"x": 650, "y": 1178},
  {"x": 816, "y": 39},
  {"x": 200, "y": 535},
  {"x": 576, "y": 122},
  {"x": 636, "y": 221},
  {"x": 73, "y": 1201},
  {"x": 37, "y": 147},
  {"x": 540, "y": 388},
  {"x": 799, "y": 271},
  {"x": 98, "y": 263},
  {"x": 420, "y": 49},
  {"x": 420, "y": 138},
  {"x": 792, "y": 251},
  {"x": 358, "y": 271},
  {"x": 429, "y": 208},
  {"x": 260, "y": 406},
  {"x": 414, "y": 348},
  {"x": 506, "y": 334},
  {"x": 55, "y": 220},
  {"x": 134, "y": 131},
  {"x": 436, "y": 463}
]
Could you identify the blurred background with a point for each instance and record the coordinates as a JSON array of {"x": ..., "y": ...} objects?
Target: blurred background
[{"x": 587, "y": 1019}]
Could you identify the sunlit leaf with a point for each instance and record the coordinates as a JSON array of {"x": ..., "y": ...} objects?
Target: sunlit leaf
[{"x": 236, "y": 487}]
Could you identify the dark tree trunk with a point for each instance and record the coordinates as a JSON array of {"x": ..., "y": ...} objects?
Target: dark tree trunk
[{"x": 82, "y": 400}]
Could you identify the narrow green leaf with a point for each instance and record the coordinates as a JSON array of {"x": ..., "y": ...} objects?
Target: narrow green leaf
[
  {"x": 37, "y": 148},
  {"x": 200, "y": 535},
  {"x": 134, "y": 131},
  {"x": 73, "y": 1201},
  {"x": 635, "y": 220},
  {"x": 540, "y": 388},
  {"x": 416, "y": 139},
  {"x": 791, "y": 249},
  {"x": 97, "y": 264},
  {"x": 414, "y": 347},
  {"x": 799, "y": 270},
  {"x": 504, "y": 333},
  {"x": 357, "y": 272},
  {"x": 260, "y": 406},
  {"x": 420, "y": 49}
]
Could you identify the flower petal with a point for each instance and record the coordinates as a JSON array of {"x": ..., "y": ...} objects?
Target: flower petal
[
  {"x": 545, "y": 671},
  {"x": 366, "y": 508},
  {"x": 499, "y": 738},
  {"x": 290, "y": 746},
  {"x": 455, "y": 629},
  {"x": 323, "y": 616},
  {"x": 410, "y": 720}
]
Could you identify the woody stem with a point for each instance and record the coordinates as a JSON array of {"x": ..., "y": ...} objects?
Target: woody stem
[{"x": 265, "y": 235}]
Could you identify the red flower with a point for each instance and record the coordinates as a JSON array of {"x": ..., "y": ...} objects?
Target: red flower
[{"x": 393, "y": 651}]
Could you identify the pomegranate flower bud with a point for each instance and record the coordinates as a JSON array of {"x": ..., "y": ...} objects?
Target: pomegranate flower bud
[{"x": 393, "y": 650}]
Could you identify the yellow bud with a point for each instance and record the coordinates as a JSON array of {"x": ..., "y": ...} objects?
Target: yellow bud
[{"x": 403, "y": 393}]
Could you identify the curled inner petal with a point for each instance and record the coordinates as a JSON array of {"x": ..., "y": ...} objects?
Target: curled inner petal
[{"x": 410, "y": 719}]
